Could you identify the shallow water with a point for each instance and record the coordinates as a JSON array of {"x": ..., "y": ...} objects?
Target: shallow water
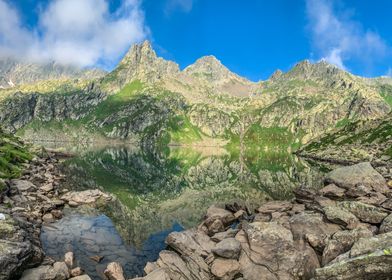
[
  {"x": 164, "y": 190},
  {"x": 94, "y": 234}
]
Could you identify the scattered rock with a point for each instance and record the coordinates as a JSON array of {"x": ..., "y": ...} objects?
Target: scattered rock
[
  {"x": 48, "y": 218},
  {"x": 225, "y": 269},
  {"x": 114, "y": 271},
  {"x": 274, "y": 206},
  {"x": 228, "y": 248},
  {"x": 69, "y": 260},
  {"x": 77, "y": 271},
  {"x": 97, "y": 259},
  {"x": 332, "y": 191},
  {"x": 361, "y": 174},
  {"x": 386, "y": 225},
  {"x": 365, "y": 212}
]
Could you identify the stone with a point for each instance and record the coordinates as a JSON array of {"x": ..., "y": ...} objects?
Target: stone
[
  {"x": 47, "y": 188},
  {"x": 364, "y": 174},
  {"x": 86, "y": 197},
  {"x": 190, "y": 241},
  {"x": 375, "y": 265},
  {"x": 304, "y": 194},
  {"x": 150, "y": 267},
  {"x": 191, "y": 266},
  {"x": 274, "y": 206},
  {"x": 44, "y": 272},
  {"x": 225, "y": 269},
  {"x": 77, "y": 271},
  {"x": 332, "y": 191},
  {"x": 69, "y": 260},
  {"x": 340, "y": 216},
  {"x": 387, "y": 204},
  {"x": 114, "y": 271},
  {"x": 341, "y": 242},
  {"x": 229, "y": 248},
  {"x": 159, "y": 274},
  {"x": 269, "y": 249},
  {"x": 365, "y": 212},
  {"x": 311, "y": 226},
  {"x": 22, "y": 185},
  {"x": 48, "y": 218},
  {"x": 81, "y": 277},
  {"x": 225, "y": 234},
  {"x": 215, "y": 213},
  {"x": 61, "y": 270},
  {"x": 367, "y": 245},
  {"x": 239, "y": 214},
  {"x": 97, "y": 259},
  {"x": 386, "y": 225},
  {"x": 57, "y": 214}
]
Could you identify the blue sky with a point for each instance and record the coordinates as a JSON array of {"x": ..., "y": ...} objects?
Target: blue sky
[{"x": 252, "y": 38}]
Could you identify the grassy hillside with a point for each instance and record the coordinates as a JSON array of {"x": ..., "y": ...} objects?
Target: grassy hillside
[{"x": 13, "y": 154}]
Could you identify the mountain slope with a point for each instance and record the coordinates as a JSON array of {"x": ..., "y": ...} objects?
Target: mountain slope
[{"x": 147, "y": 98}]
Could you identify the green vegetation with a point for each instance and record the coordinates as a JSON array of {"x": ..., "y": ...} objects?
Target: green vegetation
[
  {"x": 386, "y": 93},
  {"x": 181, "y": 131},
  {"x": 13, "y": 154}
]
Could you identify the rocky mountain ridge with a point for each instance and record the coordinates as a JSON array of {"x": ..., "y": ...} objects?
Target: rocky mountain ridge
[{"x": 301, "y": 104}]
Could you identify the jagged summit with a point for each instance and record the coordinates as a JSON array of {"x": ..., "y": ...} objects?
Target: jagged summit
[
  {"x": 212, "y": 69},
  {"x": 142, "y": 63}
]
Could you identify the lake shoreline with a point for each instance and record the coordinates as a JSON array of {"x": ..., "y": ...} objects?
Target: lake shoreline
[{"x": 38, "y": 198}]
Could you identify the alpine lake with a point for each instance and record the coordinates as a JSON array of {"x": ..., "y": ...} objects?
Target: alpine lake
[{"x": 160, "y": 192}]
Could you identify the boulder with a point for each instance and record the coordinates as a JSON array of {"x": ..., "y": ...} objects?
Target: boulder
[
  {"x": 368, "y": 245},
  {"x": 190, "y": 242},
  {"x": 61, "y": 270},
  {"x": 225, "y": 269},
  {"x": 81, "y": 277},
  {"x": 275, "y": 206},
  {"x": 114, "y": 271},
  {"x": 86, "y": 197},
  {"x": 175, "y": 267},
  {"x": 332, "y": 191},
  {"x": 228, "y": 248},
  {"x": 364, "y": 174},
  {"x": 341, "y": 242},
  {"x": 340, "y": 216},
  {"x": 22, "y": 185},
  {"x": 312, "y": 227},
  {"x": 386, "y": 225},
  {"x": 69, "y": 259},
  {"x": 223, "y": 235},
  {"x": 77, "y": 271},
  {"x": 365, "y": 212},
  {"x": 375, "y": 265},
  {"x": 269, "y": 249}
]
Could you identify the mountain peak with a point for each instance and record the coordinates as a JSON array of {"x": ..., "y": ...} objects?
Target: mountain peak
[
  {"x": 210, "y": 68},
  {"x": 142, "y": 63}
]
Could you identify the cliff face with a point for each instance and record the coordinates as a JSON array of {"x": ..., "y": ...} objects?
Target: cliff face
[{"x": 151, "y": 98}]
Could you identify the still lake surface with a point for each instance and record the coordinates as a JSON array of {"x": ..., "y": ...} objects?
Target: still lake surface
[{"x": 159, "y": 192}]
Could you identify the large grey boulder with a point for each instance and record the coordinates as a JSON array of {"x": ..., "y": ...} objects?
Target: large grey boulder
[
  {"x": 228, "y": 248},
  {"x": 269, "y": 249},
  {"x": 359, "y": 174},
  {"x": 365, "y": 212}
]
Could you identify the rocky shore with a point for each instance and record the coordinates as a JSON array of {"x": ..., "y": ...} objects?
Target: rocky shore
[
  {"x": 342, "y": 231},
  {"x": 28, "y": 203}
]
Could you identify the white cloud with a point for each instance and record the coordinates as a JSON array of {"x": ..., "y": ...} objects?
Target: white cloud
[
  {"x": 79, "y": 32},
  {"x": 389, "y": 72},
  {"x": 338, "y": 38},
  {"x": 183, "y": 5}
]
